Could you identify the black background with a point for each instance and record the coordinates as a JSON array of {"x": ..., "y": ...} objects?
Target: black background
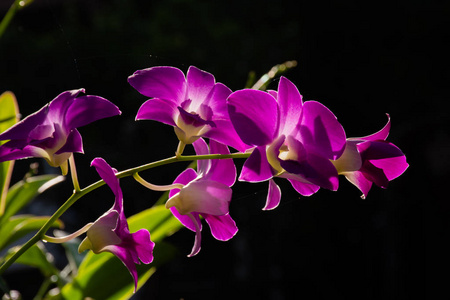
[{"x": 361, "y": 59}]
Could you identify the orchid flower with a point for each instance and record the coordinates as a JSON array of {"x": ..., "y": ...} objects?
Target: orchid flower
[
  {"x": 207, "y": 193},
  {"x": 291, "y": 139},
  {"x": 110, "y": 232},
  {"x": 371, "y": 159},
  {"x": 194, "y": 105},
  {"x": 51, "y": 132}
]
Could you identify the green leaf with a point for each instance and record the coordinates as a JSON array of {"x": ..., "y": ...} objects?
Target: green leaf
[
  {"x": 103, "y": 276},
  {"x": 8, "y": 117},
  {"x": 19, "y": 226},
  {"x": 26, "y": 190},
  {"x": 37, "y": 257}
]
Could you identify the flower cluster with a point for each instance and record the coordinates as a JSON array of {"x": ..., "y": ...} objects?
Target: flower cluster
[{"x": 279, "y": 134}]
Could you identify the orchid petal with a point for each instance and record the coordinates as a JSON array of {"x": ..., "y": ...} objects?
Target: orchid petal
[
  {"x": 273, "y": 196},
  {"x": 225, "y": 133},
  {"x": 360, "y": 181},
  {"x": 290, "y": 105},
  {"x": 320, "y": 132},
  {"x": 203, "y": 196},
  {"x": 254, "y": 115},
  {"x": 159, "y": 110},
  {"x": 59, "y": 106},
  {"x": 222, "y": 170},
  {"x": 222, "y": 228},
  {"x": 22, "y": 129},
  {"x": 87, "y": 109},
  {"x": 73, "y": 143},
  {"x": 256, "y": 168},
  {"x": 108, "y": 175},
  {"x": 304, "y": 189},
  {"x": 350, "y": 160},
  {"x": 186, "y": 220},
  {"x": 166, "y": 83},
  {"x": 184, "y": 178},
  {"x": 200, "y": 86}
]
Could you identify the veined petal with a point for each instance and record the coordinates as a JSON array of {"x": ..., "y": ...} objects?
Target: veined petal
[
  {"x": 202, "y": 196},
  {"x": 273, "y": 196},
  {"x": 166, "y": 83},
  {"x": 200, "y": 87},
  {"x": 290, "y": 105},
  {"x": 87, "y": 109},
  {"x": 257, "y": 168},
  {"x": 9, "y": 152},
  {"x": 320, "y": 132},
  {"x": 222, "y": 228},
  {"x": 254, "y": 115},
  {"x": 164, "y": 111}
]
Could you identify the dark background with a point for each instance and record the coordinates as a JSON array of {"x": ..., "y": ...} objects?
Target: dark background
[{"x": 361, "y": 59}]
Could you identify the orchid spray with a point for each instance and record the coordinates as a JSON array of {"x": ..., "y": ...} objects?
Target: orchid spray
[{"x": 276, "y": 132}]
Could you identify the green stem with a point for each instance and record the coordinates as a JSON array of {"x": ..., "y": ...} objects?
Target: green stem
[
  {"x": 17, "y": 4},
  {"x": 78, "y": 194},
  {"x": 73, "y": 174}
]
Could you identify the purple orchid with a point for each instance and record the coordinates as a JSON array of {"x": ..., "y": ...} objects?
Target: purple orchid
[
  {"x": 291, "y": 139},
  {"x": 371, "y": 159},
  {"x": 194, "y": 105},
  {"x": 51, "y": 132},
  {"x": 205, "y": 193},
  {"x": 110, "y": 232}
]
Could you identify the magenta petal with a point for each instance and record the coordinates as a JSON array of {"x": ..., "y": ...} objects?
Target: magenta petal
[
  {"x": 316, "y": 169},
  {"x": 273, "y": 196},
  {"x": 125, "y": 256},
  {"x": 290, "y": 105},
  {"x": 74, "y": 143},
  {"x": 254, "y": 115},
  {"x": 142, "y": 245},
  {"x": 13, "y": 153},
  {"x": 164, "y": 111},
  {"x": 256, "y": 168},
  {"x": 186, "y": 220},
  {"x": 222, "y": 170},
  {"x": 108, "y": 175},
  {"x": 22, "y": 129},
  {"x": 225, "y": 133},
  {"x": 304, "y": 189},
  {"x": 360, "y": 181},
  {"x": 87, "y": 109},
  {"x": 216, "y": 102},
  {"x": 222, "y": 228},
  {"x": 166, "y": 83},
  {"x": 320, "y": 132},
  {"x": 59, "y": 106},
  {"x": 185, "y": 177},
  {"x": 200, "y": 86},
  {"x": 201, "y": 148},
  {"x": 205, "y": 196}
]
